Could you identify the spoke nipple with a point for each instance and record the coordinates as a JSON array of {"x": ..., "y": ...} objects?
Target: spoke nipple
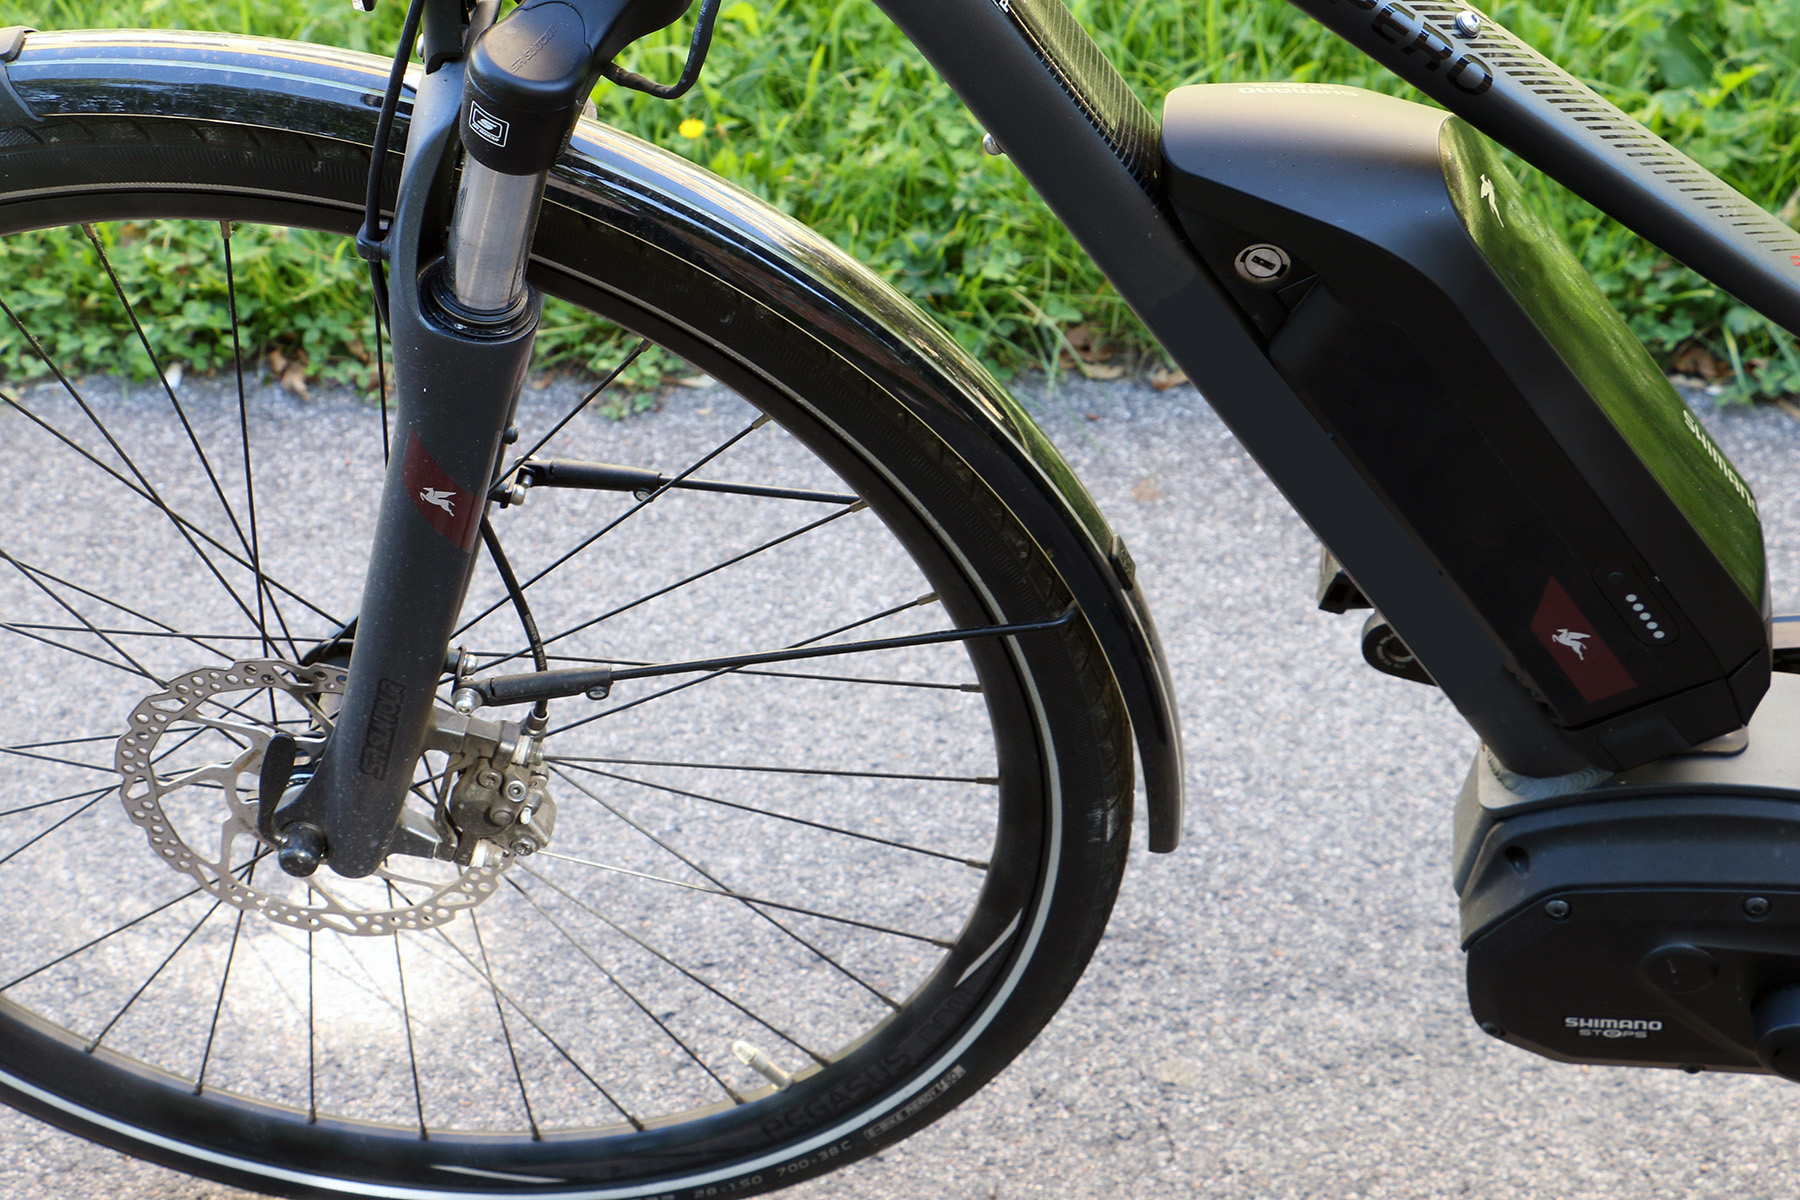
[
  {"x": 759, "y": 1062},
  {"x": 760, "y": 421}
]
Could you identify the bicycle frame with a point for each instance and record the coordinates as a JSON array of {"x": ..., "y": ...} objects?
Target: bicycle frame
[
  {"x": 1066, "y": 118},
  {"x": 1046, "y": 93}
]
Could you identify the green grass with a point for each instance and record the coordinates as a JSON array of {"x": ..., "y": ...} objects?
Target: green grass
[{"x": 829, "y": 114}]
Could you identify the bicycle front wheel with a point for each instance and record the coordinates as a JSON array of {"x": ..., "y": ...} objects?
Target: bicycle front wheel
[{"x": 776, "y": 917}]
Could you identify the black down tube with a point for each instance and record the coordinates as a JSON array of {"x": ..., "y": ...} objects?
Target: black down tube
[
  {"x": 1066, "y": 118},
  {"x": 455, "y": 396}
]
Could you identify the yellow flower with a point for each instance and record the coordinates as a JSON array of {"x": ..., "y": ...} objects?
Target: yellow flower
[{"x": 693, "y": 127}]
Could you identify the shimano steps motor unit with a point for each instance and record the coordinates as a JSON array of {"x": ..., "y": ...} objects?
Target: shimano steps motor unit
[{"x": 1652, "y": 920}]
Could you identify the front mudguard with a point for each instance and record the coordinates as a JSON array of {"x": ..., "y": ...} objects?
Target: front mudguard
[{"x": 661, "y": 199}]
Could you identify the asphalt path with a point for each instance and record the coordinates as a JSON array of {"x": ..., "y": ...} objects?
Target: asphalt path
[{"x": 1277, "y": 1008}]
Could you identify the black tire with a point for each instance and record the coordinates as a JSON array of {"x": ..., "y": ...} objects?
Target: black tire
[{"x": 154, "y": 1039}]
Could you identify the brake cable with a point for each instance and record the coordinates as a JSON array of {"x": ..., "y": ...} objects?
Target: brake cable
[
  {"x": 696, "y": 58},
  {"x": 370, "y": 238}
]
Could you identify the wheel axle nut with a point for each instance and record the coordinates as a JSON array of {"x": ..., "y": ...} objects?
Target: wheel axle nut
[{"x": 302, "y": 849}]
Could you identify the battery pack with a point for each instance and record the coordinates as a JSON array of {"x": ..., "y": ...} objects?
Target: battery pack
[{"x": 1462, "y": 359}]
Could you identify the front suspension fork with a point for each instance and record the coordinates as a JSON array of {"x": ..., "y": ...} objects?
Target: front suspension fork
[
  {"x": 463, "y": 323},
  {"x": 457, "y": 375}
]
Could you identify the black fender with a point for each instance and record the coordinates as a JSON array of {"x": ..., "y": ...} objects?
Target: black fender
[{"x": 334, "y": 95}]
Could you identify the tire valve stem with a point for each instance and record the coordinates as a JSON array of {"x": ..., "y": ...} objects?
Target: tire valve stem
[{"x": 759, "y": 1062}]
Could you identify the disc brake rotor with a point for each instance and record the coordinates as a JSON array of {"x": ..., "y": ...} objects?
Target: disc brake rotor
[{"x": 198, "y": 719}]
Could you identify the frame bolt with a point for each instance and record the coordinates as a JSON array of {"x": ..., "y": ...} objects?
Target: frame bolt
[
  {"x": 1468, "y": 23},
  {"x": 989, "y": 145},
  {"x": 1557, "y": 910},
  {"x": 465, "y": 700},
  {"x": 1756, "y": 906},
  {"x": 524, "y": 846}
]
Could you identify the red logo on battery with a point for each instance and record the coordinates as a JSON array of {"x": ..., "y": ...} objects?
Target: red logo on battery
[{"x": 1571, "y": 640}]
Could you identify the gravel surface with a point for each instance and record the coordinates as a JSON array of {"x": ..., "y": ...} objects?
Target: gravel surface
[{"x": 1277, "y": 1009}]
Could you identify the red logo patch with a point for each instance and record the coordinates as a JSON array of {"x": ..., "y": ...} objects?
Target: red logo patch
[
  {"x": 1570, "y": 638},
  {"x": 450, "y": 508}
]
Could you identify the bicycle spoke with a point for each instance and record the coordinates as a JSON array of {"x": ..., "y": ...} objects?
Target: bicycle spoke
[
  {"x": 86, "y": 624},
  {"x": 212, "y": 1028},
  {"x": 894, "y": 683},
  {"x": 20, "y": 752},
  {"x": 255, "y": 547},
  {"x": 149, "y": 491},
  {"x": 93, "y": 237},
  {"x": 846, "y": 972},
  {"x": 752, "y": 901},
  {"x": 68, "y": 649},
  {"x": 987, "y": 780},
  {"x": 783, "y": 1034},
  {"x": 111, "y": 933},
  {"x": 628, "y": 994},
  {"x": 199, "y": 639},
  {"x": 735, "y": 559},
  {"x": 531, "y": 1020},
  {"x": 727, "y": 444},
  {"x": 312, "y": 1039},
  {"x": 978, "y": 864},
  {"x": 928, "y": 598},
  {"x": 606, "y": 382},
  {"x": 89, "y": 795},
  {"x": 145, "y": 986},
  {"x": 163, "y": 630},
  {"x": 412, "y": 1055},
  {"x": 52, "y": 828},
  {"x": 512, "y": 1053},
  {"x": 182, "y": 524}
]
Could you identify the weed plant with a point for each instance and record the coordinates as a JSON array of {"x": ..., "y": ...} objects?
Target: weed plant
[{"x": 829, "y": 114}]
